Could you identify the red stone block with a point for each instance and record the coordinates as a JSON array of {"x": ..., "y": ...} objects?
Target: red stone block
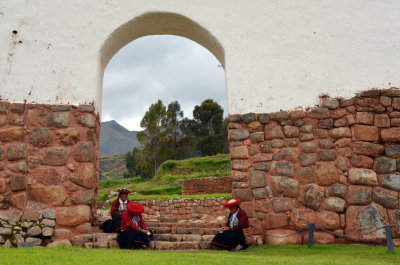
[
  {"x": 295, "y": 239},
  {"x": 320, "y": 238},
  {"x": 365, "y": 118},
  {"x": 273, "y": 131},
  {"x": 382, "y": 120},
  {"x": 361, "y": 161},
  {"x": 365, "y": 133},
  {"x": 328, "y": 220},
  {"x": 391, "y": 135},
  {"x": 275, "y": 220},
  {"x": 239, "y": 152}
]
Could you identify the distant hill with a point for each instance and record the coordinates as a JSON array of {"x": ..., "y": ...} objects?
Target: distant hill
[{"x": 116, "y": 139}]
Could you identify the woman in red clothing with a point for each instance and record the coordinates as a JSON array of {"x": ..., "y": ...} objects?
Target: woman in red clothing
[
  {"x": 231, "y": 236},
  {"x": 134, "y": 233},
  {"x": 118, "y": 207}
]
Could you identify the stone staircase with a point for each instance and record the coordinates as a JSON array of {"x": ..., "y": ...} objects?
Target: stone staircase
[
  {"x": 169, "y": 234},
  {"x": 183, "y": 235}
]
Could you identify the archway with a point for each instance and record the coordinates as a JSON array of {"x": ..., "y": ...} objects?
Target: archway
[{"x": 156, "y": 23}]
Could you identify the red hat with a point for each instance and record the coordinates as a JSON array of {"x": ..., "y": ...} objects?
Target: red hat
[
  {"x": 123, "y": 190},
  {"x": 232, "y": 202},
  {"x": 135, "y": 207}
]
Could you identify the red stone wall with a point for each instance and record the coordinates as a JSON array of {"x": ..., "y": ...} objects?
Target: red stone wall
[
  {"x": 207, "y": 185},
  {"x": 49, "y": 159},
  {"x": 183, "y": 209},
  {"x": 336, "y": 165}
]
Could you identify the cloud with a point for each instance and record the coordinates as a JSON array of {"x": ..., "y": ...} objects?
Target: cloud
[{"x": 160, "y": 67}]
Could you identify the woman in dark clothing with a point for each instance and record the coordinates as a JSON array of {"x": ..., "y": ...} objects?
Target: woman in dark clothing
[
  {"x": 133, "y": 229},
  {"x": 118, "y": 207},
  {"x": 231, "y": 237}
]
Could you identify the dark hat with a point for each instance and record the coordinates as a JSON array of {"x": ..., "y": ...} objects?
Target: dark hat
[
  {"x": 123, "y": 190},
  {"x": 135, "y": 207},
  {"x": 232, "y": 202}
]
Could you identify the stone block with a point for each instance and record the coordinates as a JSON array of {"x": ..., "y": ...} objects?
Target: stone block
[
  {"x": 325, "y": 174},
  {"x": 12, "y": 134},
  {"x": 341, "y": 132},
  {"x": 284, "y": 186},
  {"x": 338, "y": 190},
  {"x": 320, "y": 238},
  {"x": 390, "y": 181},
  {"x": 386, "y": 198},
  {"x": 63, "y": 243},
  {"x": 368, "y": 149},
  {"x": 334, "y": 204},
  {"x": 87, "y": 120},
  {"x": 16, "y": 152},
  {"x": 362, "y": 219},
  {"x": 382, "y": 121},
  {"x": 307, "y": 159},
  {"x": 301, "y": 217},
  {"x": 273, "y": 131},
  {"x": 328, "y": 220},
  {"x": 361, "y": 161},
  {"x": 365, "y": 133},
  {"x": 258, "y": 179},
  {"x": 52, "y": 195},
  {"x": 359, "y": 195},
  {"x": 281, "y": 205},
  {"x": 312, "y": 195},
  {"x": 273, "y": 220},
  {"x": 295, "y": 239},
  {"x": 61, "y": 119},
  {"x": 383, "y": 165},
  {"x": 239, "y": 152},
  {"x": 359, "y": 176},
  {"x": 391, "y": 135},
  {"x": 241, "y": 165},
  {"x": 73, "y": 215},
  {"x": 236, "y": 135}
]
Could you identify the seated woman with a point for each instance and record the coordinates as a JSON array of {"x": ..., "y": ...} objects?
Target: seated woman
[
  {"x": 118, "y": 207},
  {"x": 232, "y": 237},
  {"x": 133, "y": 229}
]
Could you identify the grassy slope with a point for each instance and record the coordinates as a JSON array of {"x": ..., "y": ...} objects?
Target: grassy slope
[
  {"x": 282, "y": 254},
  {"x": 171, "y": 171},
  {"x": 112, "y": 166}
]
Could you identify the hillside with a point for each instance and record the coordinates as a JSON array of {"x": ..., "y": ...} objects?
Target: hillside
[
  {"x": 167, "y": 182},
  {"x": 112, "y": 166},
  {"x": 116, "y": 139}
]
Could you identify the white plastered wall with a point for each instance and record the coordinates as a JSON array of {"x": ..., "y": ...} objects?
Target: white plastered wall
[{"x": 277, "y": 54}]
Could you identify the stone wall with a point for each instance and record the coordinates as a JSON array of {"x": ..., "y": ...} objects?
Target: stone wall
[
  {"x": 207, "y": 185},
  {"x": 49, "y": 159},
  {"x": 336, "y": 165},
  {"x": 183, "y": 209}
]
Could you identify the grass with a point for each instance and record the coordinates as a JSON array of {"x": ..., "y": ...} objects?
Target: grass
[
  {"x": 267, "y": 254},
  {"x": 171, "y": 171}
]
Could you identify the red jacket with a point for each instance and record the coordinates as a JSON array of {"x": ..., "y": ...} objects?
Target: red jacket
[
  {"x": 114, "y": 207},
  {"x": 127, "y": 224},
  {"x": 243, "y": 221}
]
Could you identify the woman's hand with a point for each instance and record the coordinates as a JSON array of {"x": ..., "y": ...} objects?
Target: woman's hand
[{"x": 225, "y": 228}]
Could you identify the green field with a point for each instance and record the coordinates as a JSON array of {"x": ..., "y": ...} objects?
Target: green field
[
  {"x": 267, "y": 254},
  {"x": 167, "y": 182}
]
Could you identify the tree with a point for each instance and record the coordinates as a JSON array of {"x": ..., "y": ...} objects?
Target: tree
[
  {"x": 131, "y": 161},
  {"x": 153, "y": 137},
  {"x": 212, "y": 137}
]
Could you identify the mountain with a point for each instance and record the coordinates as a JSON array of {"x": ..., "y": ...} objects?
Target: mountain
[{"x": 116, "y": 139}]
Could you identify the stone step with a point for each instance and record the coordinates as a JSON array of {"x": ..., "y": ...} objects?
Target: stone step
[
  {"x": 182, "y": 237},
  {"x": 185, "y": 230},
  {"x": 186, "y": 245}
]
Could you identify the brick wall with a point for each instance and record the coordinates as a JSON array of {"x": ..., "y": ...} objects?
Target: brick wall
[
  {"x": 336, "y": 165},
  {"x": 207, "y": 185},
  {"x": 49, "y": 160}
]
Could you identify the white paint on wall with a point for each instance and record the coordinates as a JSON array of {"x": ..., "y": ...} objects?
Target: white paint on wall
[{"x": 277, "y": 54}]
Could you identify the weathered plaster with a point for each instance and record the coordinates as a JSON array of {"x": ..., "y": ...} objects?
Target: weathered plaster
[{"x": 277, "y": 54}]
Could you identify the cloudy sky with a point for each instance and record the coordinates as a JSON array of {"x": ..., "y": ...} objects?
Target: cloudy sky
[{"x": 160, "y": 67}]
